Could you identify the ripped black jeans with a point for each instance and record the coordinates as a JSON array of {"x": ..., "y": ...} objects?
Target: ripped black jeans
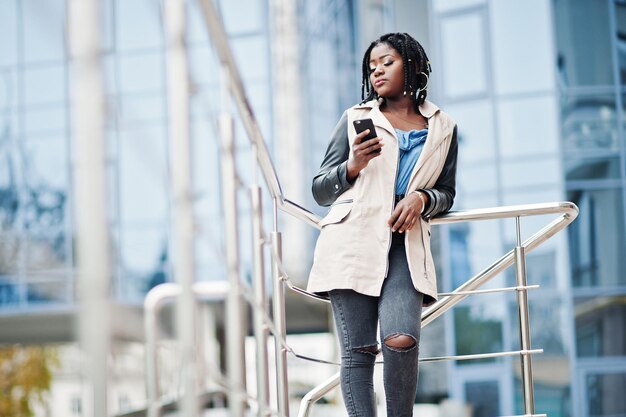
[{"x": 398, "y": 309}]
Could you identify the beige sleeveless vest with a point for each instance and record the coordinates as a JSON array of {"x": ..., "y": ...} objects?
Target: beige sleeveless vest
[{"x": 354, "y": 241}]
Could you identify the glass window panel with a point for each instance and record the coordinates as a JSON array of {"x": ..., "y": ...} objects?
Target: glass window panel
[
  {"x": 139, "y": 25},
  {"x": 51, "y": 292},
  {"x": 44, "y": 30},
  {"x": 8, "y": 33},
  {"x": 530, "y": 172},
  {"x": 475, "y": 130},
  {"x": 584, "y": 54},
  {"x": 9, "y": 173},
  {"x": 523, "y": 60},
  {"x": 142, "y": 109},
  {"x": 463, "y": 53},
  {"x": 589, "y": 123},
  {"x": 10, "y": 293},
  {"x": 606, "y": 394},
  {"x": 8, "y": 96},
  {"x": 478, "y": 329},
  {"x": 528, "y": 127},
  {"x": 540, "y": 270},
  {"x": 40, "y": 121},
  {"x": 206, "y": 174},
  {"x": 201, "y": 60},
  {"x": 46, "y": 252},
  {"x": 547, "y": 328},
  {"x": 242, "y": 16},
  {"x": 484, "y": 396},
  {"x": 209, "y": 251},
  {"x": 551, "y": 384},
  {"x": 580, "y": 169},
  {"x": 459, "y": 259},
  {"x": 44, "y": 85},
  {"x": 450, "y": 5},
  {"x": 141, "y": 73},
  {"x": 596, "y": 238},
  {"x": 108, "y": 25},
  {"x": 12, "y": 249},
  {"x": 46, "y": 164},
  {"x": 474, "y": 177},
  {"x": 252, "y": 57},
  {"x": 620, "y": 39},
  {"x": 600, "y": 326},
  {"x": 144, "y": 257},
  {"x": 143, "y": 175}
]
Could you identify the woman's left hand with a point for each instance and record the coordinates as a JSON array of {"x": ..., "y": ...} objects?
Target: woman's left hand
[{"x": 406, "y": 214}]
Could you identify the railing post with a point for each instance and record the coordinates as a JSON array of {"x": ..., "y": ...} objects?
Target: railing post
[
  {"x": 89, "y": 180},
  {"x": 281, "y": 331},
  {"x": 235, "y": 309},
  {"x": 524, "y": 323},
  {"x": 182, "y": 225},
  {"x": 260, "y": 303}
]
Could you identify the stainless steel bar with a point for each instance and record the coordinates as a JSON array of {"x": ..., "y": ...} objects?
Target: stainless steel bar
[
  {"x": 283, "y": 276},
  {"x": 89, "y": 178},
  {"x": 218, "y": 35},
  {"x": 153, "y": 302},
  {"x": 235, "y": 336},
  {"x": 530, "y": 415},
  {"x": 156, "y": 298},
  {"x": 316, "y": 394},
  {"x": 524, "y": 324},
  {"x": 446, "y": 303},
  {"x": 182, "y": 225},
  {"x": 281, "y": 331},
  {"x": 489, "y": 291},
  {"x": 481, "y": 356},
  {"x": 260, "y": 306},
  {"x": 491, "y": 213}
]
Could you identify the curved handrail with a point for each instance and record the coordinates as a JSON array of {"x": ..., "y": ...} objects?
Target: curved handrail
[{"x": 568, "y": 211}]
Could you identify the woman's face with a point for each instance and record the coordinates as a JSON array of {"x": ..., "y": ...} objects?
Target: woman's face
[{"x": 386, "y": 71}]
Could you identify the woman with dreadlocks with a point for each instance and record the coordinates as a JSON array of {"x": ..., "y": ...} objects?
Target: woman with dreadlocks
[{"x": 373, "y": 255}]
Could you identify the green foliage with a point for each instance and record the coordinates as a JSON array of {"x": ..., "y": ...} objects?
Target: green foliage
[{"x": 25, "y": 376}]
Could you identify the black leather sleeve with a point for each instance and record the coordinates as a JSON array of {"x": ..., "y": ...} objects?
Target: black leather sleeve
[
  {"x": 331, "y": 179},
  {"x": 441, "y": 196}
]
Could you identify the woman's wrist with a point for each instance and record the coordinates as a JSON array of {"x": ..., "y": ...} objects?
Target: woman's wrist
[{"x": 423, "y": 198}]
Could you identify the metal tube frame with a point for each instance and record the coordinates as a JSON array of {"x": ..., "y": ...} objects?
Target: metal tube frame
[
  {"x": 182, "y": 225},
  {"x": 260, "y": 304},
  {"x": 235, "y": 314},
  {"x": 156, "y": 298},
  {"x": 89, "y": 181}
]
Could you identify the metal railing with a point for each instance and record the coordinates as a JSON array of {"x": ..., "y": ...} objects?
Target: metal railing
[{"x": 236, "y": 294}]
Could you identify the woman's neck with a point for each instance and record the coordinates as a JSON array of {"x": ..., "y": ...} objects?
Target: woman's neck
[{"x": 400, "y": 106}]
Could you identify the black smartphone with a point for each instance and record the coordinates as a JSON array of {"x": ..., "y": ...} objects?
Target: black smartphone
[{"x": 361, "y": 125}]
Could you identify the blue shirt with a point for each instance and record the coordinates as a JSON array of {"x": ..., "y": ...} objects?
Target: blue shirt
[{"x": 411, "y": 144}]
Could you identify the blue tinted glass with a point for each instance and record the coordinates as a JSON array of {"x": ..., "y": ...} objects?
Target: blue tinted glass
[
  {"x": 44, "y": 25},
  {"x": 8, "y": 33}
]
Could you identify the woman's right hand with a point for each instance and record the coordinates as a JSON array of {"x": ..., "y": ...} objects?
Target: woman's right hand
[{"x": 362, "y": 154}]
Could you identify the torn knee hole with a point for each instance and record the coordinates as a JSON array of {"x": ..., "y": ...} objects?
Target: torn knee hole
[
  {"x": 372, "y": 350},
  {"x": 399, "y": 341}
]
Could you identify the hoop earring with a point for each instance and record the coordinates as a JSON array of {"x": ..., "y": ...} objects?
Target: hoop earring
[{"x": 425, "y": 85}]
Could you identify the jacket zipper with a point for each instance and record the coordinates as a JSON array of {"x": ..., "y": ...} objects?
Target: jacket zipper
[
  {"x": 423, "y": 245},
  {"x": 393, "y": 198}
]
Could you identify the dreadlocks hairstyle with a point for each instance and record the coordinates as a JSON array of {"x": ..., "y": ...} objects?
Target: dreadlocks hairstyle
[{"x": 415, "y": 61}]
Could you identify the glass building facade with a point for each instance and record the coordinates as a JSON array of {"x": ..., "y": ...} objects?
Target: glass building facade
[{"x": 538, "y": 89}]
